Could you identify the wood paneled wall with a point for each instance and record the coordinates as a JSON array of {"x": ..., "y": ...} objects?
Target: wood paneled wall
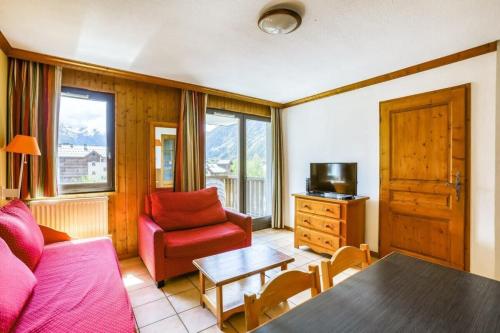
[
  {"x": 136, "y": 104},
  {"x": 229, "y": 104}
]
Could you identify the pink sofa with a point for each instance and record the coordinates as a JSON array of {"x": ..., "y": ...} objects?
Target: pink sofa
[
  {"x": 78, "y": 284},
  {"x": 182, "y": 226}
]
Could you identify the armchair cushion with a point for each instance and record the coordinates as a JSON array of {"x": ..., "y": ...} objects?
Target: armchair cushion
[
  {"x": 203, "y": 241},
  {"x": 186, "y": 210},
  {"x": 21, "y": 232}
]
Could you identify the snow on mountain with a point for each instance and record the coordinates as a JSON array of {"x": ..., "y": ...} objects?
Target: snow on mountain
[{"x": 80, "y": 136}]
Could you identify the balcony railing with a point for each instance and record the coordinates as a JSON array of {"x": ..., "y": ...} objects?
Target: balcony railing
[{"x": 257, "y": 201}]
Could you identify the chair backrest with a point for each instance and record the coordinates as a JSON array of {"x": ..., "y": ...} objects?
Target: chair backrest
[
  {"x": 186, "y": 210},
  {"x": 344, "y": 258},
  {"x": 283, "y": 286}
]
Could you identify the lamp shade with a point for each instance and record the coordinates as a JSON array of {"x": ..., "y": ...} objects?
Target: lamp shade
[{"x": 23, "y": 144}]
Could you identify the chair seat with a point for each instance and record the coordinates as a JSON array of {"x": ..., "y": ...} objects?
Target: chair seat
[{"x": 203, "y": 241}]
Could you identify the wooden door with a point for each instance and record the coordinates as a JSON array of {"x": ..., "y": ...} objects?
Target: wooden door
[{"x": 423, "y": 170}]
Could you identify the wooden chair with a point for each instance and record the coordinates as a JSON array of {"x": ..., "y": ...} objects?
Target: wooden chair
[
  {"x": 344, "y": 258},
  {"x": 280, "y": 288}
]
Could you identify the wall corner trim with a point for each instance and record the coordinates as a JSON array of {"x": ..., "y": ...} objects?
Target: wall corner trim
[
  {"x": 431, "y": 64},
  {"x": 98, "y": 69}
]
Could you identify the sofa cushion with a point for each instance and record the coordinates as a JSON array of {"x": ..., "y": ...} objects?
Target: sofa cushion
[
  {"x": 16, "y": 286},
  {"x": 186, "y": 210},
  {"x": 203, "y": 241},
  {"x": 53, "y": 236},
  {"x": 79, "y": 289},
  {"x": 21, "y": 232}
]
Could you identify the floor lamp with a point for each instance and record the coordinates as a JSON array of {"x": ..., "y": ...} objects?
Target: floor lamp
[{"x": 22, "y": 144}]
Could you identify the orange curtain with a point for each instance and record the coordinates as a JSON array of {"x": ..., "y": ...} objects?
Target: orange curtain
[
  {"x": 190, "y": 153},
  {"x": 32, "y": 108}
]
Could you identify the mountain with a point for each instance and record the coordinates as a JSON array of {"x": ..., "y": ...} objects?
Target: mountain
[
  {"x": 221, "y": 143},
  {"x": 80, "y": 136}
]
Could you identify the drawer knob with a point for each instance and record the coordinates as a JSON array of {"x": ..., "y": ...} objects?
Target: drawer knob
[
  {"x": 328, "y": 226},
  {"x": 307, "y": 206},
  {"x": 307, "y": 221}
]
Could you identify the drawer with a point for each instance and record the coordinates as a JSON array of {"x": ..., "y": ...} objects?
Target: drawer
[
  {"x": 323, "y": 240},
  {"x": 331, "y": 242},
  {"x": 331, "y": 227},
  {"x": 319, "y": 208},
  {"x": 327, "y": 225},
  {"x": 318, "y": 238},
  {"x": 309, "y": 221},
  {"x": 304, "y": 234}
]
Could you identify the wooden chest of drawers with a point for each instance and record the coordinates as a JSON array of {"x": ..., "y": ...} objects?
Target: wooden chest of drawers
[{"x": 326, "y": 224}]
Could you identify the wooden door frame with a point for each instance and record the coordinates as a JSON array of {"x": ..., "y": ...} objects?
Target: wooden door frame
[{"x": 467, "y": 87}]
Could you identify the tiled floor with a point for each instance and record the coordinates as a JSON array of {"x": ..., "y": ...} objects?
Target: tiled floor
[{"x": 176, "y": 308}]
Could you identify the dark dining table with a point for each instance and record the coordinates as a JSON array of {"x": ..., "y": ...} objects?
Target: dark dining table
[{"x": 399, "y": 294}]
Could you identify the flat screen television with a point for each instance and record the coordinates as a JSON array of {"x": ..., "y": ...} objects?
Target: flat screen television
[{"x": 334, "y": 177}]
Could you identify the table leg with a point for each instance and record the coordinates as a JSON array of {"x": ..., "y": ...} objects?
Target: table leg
[
  {"x": 219, "y": 307},
  {"x": 262, "y": 278},
  {"x": 284, "y": 267},
  {"x": 202, "y": 288}
]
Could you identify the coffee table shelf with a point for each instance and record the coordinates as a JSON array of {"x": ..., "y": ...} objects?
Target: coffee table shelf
[{"x": 239, "y": 271}]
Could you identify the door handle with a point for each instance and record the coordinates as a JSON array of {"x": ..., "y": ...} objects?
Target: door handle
[{"x": 458, "y": 185}]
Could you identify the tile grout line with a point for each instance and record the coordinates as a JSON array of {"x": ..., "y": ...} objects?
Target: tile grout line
[{"x": 279, "y": 241}]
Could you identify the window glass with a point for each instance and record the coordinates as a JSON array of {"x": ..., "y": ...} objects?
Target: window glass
[{"x": 85, "y": 141}]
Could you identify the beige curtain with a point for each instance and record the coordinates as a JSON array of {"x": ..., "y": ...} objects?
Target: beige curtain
[
  {"x": 190, "y": 153},
  {"x": 277, "y": 168},
  {"x": 32, "y": 109}
]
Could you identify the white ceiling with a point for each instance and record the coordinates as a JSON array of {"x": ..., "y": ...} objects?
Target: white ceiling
[{"x": 216, "y": 43}]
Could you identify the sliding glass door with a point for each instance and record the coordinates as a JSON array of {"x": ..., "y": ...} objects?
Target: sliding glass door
[
  {"x": 257, "y": 167},
  {"x": 222, "y": 156},
  {"x": 238, "y": 162}
]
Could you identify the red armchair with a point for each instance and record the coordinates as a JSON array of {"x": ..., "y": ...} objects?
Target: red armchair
[{"x": 179, "y": 227}]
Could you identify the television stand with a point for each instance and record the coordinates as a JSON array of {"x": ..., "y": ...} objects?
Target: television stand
[{"x": 325, "y": 224}]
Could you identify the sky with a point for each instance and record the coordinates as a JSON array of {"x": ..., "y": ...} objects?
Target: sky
[
  {"x": 78, "y": 113},
  {"x": 215, "y": 120}
]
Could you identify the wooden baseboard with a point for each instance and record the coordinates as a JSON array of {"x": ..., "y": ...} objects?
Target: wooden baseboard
[
  {"x": 286, "y": 227},
  {"x": 127, "y": 255}
]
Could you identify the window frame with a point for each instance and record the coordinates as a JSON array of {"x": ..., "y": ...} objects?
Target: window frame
[
  {"x": 109, "y": 186},
  {"x": 258, "y": 222}
]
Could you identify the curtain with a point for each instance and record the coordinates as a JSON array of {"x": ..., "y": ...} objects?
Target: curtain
[
  {"x": 277, "y": 168},
  {"x": 33, "y": 91},
  {"x": 190, "y": 153}
]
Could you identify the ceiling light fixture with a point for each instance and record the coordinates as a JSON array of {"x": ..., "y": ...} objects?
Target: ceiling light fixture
[{"x": 279, "y": 21}]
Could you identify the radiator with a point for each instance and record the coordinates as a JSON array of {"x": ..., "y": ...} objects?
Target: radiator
[{"x": 78, "y": 217}]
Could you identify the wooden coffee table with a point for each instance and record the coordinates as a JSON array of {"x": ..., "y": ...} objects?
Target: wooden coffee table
[{"x": 225, "y": 268}]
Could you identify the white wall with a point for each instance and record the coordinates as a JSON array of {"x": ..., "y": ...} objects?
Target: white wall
[
  {"x": 345, "y": 128},
  {"x": 497, "y": 180}
]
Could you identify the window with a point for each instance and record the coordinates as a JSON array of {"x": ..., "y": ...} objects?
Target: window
[
  {"x": 238, "y": 162},
  {"x": 85, "y": 146}
]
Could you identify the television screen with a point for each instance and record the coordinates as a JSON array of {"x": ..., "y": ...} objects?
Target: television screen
[{"x": 334, "y": 177}]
